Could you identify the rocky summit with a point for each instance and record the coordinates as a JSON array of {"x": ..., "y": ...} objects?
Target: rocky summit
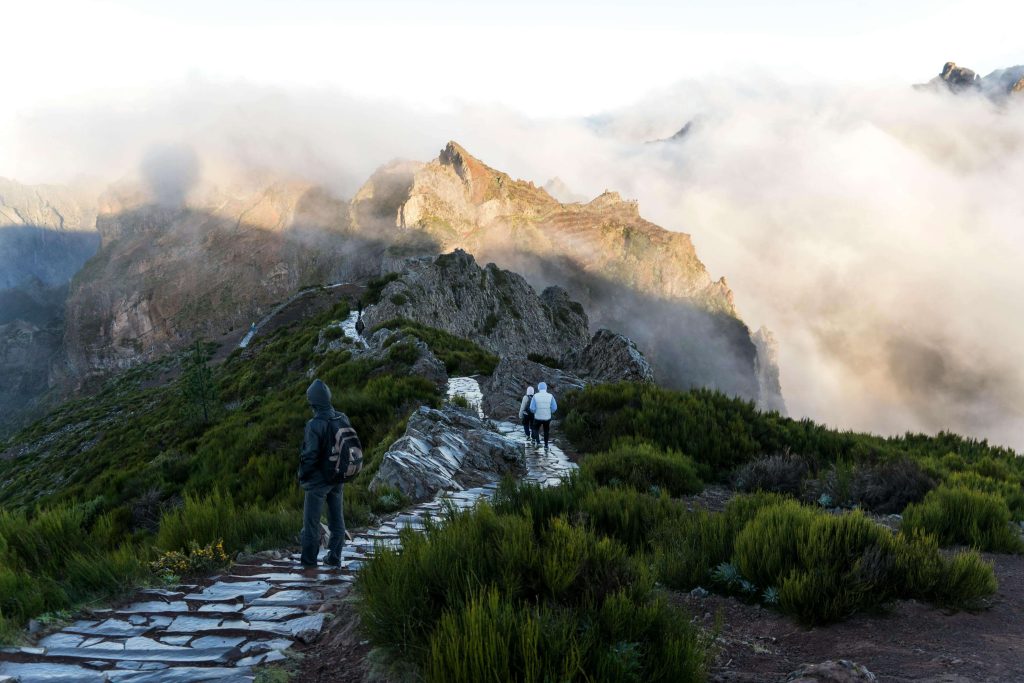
[
  {"x": 160, "y": 270},
  {"x": 630, "y": 274},
  {"x": 998, "y": 85}
]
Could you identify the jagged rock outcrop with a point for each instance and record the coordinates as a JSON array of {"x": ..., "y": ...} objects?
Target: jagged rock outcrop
[
  {"x": 446, "y": 449},
  {"x": 504, "y": 389},
  {"x": 607, "y": 357},
  {"x": 495, "y": 308},
  {"x": 770, "y": 394},
  {"x": 629, "y": 274},
  {"x": 998, "y": 85},
  {"x": 610, "y": 357}
]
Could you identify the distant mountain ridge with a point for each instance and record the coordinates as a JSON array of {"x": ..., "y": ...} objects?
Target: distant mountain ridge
[{"x": 166, "y": 274}]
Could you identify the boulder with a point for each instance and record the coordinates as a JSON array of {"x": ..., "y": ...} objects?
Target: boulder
[
  {"x": 832, "y": 671},
  {"x": 610, "y": 357},
  {"x": 446, "y": 449},
  {"x": 504, "y": 390}
]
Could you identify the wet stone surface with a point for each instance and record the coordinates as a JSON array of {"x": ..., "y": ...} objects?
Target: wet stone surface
[{"x": 251, "y": 615}]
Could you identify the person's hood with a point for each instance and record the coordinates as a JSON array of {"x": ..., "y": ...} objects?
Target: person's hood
[
  {"x": 543, "y": 386},
  {"x": 319, "y": 396},
  {"x": 529, "y": 391}
]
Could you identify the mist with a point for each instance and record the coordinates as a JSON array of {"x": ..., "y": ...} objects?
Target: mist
[{"x": 875, "y": 232}]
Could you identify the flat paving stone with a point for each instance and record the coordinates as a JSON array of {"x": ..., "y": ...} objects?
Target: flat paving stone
[
  {"x": 185, "y": 655},
  {"x": 110, "y": 627},
  {"x": 231, "y": 592},
  {"x": 155, "y": 606},
  {"x": 204, "y": 642},
  {"x": 45, "y": 672},
  {"x": 184, "y": 674},
  {"x": 61, "y": 640},
  {"x": 175, "y": 640},
  {"x": 270, "y": 612},
  {"x": 261, "y": 645},
  {"x": 289, "y": 597}
]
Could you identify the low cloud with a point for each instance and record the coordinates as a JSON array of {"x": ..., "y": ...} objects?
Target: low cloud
[{"x": 877, "y": 233}]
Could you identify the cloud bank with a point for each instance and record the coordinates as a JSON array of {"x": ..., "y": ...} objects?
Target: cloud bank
[{"x": 877, "y": 233}]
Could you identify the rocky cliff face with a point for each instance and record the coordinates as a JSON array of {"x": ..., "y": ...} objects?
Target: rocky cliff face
[
  {"x": 46, "y": 234},
  {"x": 630, "y": 275},
  {"x": 168, "y": 274},
  {"x": 495, "y": 308}
]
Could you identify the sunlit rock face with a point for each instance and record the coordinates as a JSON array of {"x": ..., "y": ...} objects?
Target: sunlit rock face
[{"x": 631, "y": 275}]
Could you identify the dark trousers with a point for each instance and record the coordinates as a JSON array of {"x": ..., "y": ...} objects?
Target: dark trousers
[
  {"x": 541, "y": 426},
  {"x": 314, "y": 505},
  {"x": 528, "y": 425}
]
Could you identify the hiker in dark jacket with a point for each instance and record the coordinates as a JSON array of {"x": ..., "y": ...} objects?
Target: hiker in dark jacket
[
  {"x": 318, "y": 478},
  {"x": 526, "y": 414}
]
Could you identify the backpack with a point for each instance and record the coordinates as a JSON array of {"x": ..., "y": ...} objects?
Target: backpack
[{"x": 345, "y": 460}]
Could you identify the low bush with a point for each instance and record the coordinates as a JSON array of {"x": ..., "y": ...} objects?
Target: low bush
[
  {"x": 963, "y": 516},
  {"x": 889, "y": 487},
  {"x": 217, "y": 518},
  {"x": 195, "y": 561},
  {"x": 776, "y": 473},
  {"x": 627, "y": 515},
  {"x": 644, "y": 467},
  {"x": 488, "y": 596}
]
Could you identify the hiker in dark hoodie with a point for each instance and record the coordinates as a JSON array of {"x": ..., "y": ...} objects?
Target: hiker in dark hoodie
[{"x": 319, "y": 475}]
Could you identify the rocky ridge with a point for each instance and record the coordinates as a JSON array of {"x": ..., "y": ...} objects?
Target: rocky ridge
[{"x": 998, "y": 85}]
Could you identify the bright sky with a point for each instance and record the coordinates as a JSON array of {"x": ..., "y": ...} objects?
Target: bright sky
[{"x": 543, "y": 58}]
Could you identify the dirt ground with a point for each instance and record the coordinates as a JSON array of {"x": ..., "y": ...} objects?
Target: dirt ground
[{"x": 913, "y": 642}]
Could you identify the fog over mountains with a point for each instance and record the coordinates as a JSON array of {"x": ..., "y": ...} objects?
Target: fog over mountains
[{"x": 875, "y": 233}]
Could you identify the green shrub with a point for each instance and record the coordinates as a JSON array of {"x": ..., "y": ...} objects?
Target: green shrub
[
  {"x": 959, "y": 515},
  {"x": 776, "y": 473},
  {"x": 686, "y": 550},
  {"x": 889, "y": 487},
  {"x": 216, "y": 517},
  {"x": 399, "y": 299},
  {"x": 487, "y": 596},
  {"x": 644, "y": 466},
  {"x": 1010, "y": 491},
  {"x": 628, "y": 516}
]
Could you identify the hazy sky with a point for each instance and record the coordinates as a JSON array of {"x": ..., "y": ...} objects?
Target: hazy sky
[{"x": 538, "y": 57}]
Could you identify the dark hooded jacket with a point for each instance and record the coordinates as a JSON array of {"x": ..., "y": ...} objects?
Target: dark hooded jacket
[{"x": 317, "y": 440}]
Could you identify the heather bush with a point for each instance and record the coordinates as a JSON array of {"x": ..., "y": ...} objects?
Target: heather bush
[
  {"x": 889, "y": 487},
  {"x": 644, "y": 467},
  {"x": 217, "y": 518},
  {"x": 488, "y": 596},
  {"x": 777, "y": 473},
  {"x": 963, "y": 516}
]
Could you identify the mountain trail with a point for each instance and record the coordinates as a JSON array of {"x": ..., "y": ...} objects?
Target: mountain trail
[{"x": 227, "y": 624}]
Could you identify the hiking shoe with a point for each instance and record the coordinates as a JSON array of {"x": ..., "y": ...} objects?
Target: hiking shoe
[{"x": 332, "y": 563}]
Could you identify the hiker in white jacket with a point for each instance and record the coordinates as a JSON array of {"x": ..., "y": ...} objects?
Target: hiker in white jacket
[
  {"x": 526, "y": 413},
  {"x": 543, "y": 406}
]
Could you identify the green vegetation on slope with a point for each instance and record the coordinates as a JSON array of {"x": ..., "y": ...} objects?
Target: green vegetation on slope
[
  {"x": 143, "y": 467},
  {"x": 460, "y": 357},
  {"x": 730, "y": 441}
]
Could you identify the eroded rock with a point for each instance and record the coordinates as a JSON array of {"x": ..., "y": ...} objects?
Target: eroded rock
[
  {"x": 445, "y": 450},
  {"x": 832, "y": 671}
]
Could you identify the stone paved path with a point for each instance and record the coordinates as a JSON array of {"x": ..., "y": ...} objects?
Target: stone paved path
[{"x": 248, "y": 616}]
